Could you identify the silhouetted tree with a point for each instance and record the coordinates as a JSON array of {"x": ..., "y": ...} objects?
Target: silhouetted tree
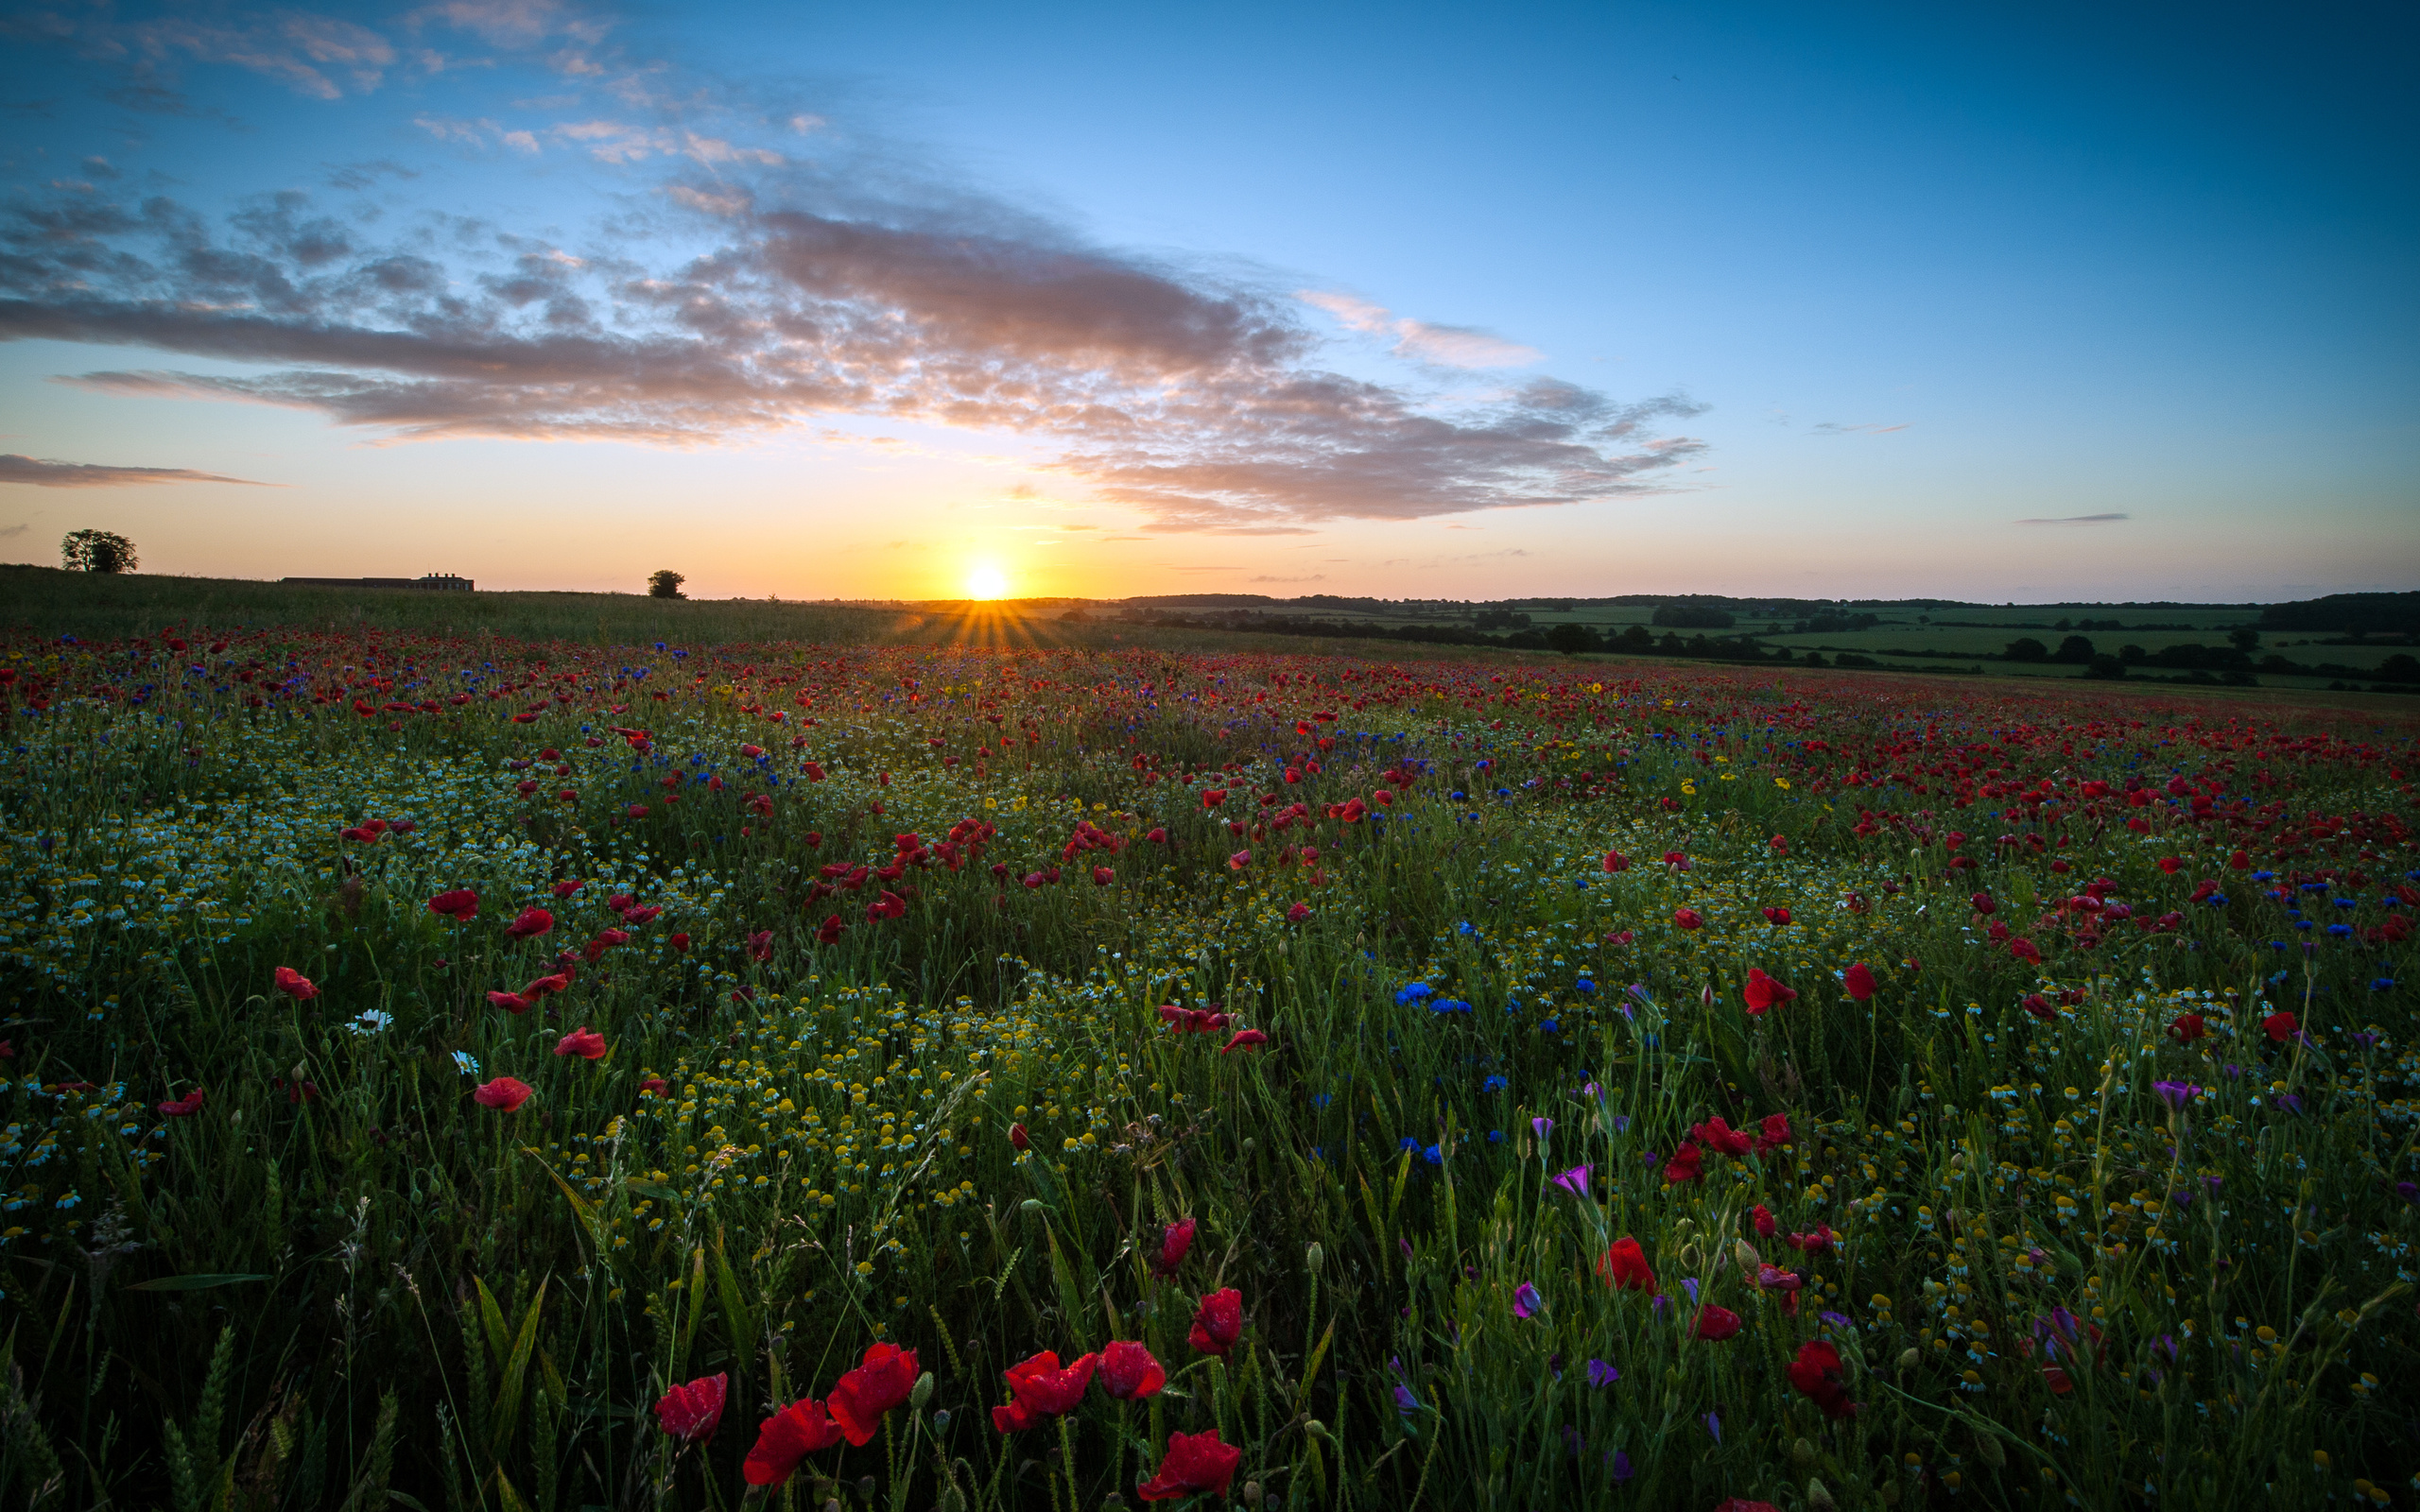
[
  {"x": 96, "y": 550},
  {"x": 2026, "y": 648},
  {"x": 665, "y": 583},
  {"x": 2074, "y": 649},
  {"x": 1572, "y": 638}
]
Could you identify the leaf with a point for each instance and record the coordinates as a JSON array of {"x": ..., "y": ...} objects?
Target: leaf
[
  {"x": 508, "y": 1396},
  {"x": 193, "y": 1284},
  {"x": 648, "y": 1188},
  {"x": 499, "y": 1342},
  {"x": 1310, "y": 1372},
  {"x": 580, "y": 1207},
  {"x": 735, "y": 1313}
]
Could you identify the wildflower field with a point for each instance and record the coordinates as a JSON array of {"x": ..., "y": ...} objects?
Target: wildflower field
[{"x": 535, "y": 1075}]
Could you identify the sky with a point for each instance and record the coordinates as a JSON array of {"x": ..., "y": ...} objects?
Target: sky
[{"x": 2039, "y": 303}]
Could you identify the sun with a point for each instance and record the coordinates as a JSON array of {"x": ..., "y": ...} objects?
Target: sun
[{"x": 986, "y": 581}]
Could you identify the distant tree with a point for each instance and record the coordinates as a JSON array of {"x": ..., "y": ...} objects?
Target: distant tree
[
  {"x": 2026, "y": 648},
  {"x": 1637, "y": 637},
  {"x": 2106, "y": 666},
  {"x": 2245, "y": 637},
  {"x": 1573, "y": 639},
  {"x": 665, "y": 583},
  {"x": 1693, "y": 617},
  {"x": 2399, "y": 668},
  {"x": 2074, "y": 649},
  {"x": 1815, "y": 659},
  {"x": 96, "y": 550},
  {"x": 2132, "y": 654}
]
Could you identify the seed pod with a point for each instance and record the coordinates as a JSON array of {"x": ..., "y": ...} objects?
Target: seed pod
[
  {"x": 1819, "y": 1498},
  {"x": 922, "y": 1391}
]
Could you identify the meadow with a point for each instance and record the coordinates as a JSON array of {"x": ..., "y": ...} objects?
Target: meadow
[{"x": 525, "y": 1068}]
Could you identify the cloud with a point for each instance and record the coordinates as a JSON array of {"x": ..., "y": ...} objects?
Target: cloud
[
  {"x": 46, "y": 474},
  {"x": 1315, "y": 577},
  {"x": 2079, "y": 520},
  {"x": 802, "y": 293},
  {"x": 12, "y": 532},
  {"x": 1448, "y": 346},
  {"x": 1871, "y": 428}
]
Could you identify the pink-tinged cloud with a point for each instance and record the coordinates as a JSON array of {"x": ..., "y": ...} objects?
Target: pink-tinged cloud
[
  {"x": 46, "y": 474},
  {"x": 1194, "y": 400},
  {"x": 2077, "y": 519}
]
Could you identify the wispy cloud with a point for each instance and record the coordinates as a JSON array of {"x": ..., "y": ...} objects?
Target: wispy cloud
[
  {"x": 2077, "y": 519},
  {"x": 1831, "y": 428},
  {"x": 1315, "y": 577},
  {"x": 47, "y": 475},
  {"x": 12, "y": 532},
  {"x": 1448, "y": 346}
]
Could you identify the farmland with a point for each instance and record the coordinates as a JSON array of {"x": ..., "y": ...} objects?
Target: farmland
[{"x": 582, "y": 1063}]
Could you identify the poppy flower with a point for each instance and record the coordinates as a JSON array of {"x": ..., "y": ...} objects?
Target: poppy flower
[
  {"x": 1042, "y": 1389},
  {"x": 1860, "y": 982},
  {"x": 1195, "y": 1464},
  {"x": 1776, "y": 916},
  {"x": 1129, "y": 1373},
  {"x": 1717, "y": 1322},
  {"x": 185, "y": 1107},
  {"x": 505, "y": 1094},
  {"x": 1212, "y": 798},
  {"x": 546, "y": 987},
  {"x": 2190, "y": 1027},
  {"x": 1740, "y": 1503},
  {"x": 584, "y": 1042},
  {"x": 1616, "y": 861},
  {"x": 1103, "y": 876},
  {"x": 2280, "y": 1026},
  {"x": 1244, "y": 1040},
  {"x": 680, "y": 944},
  {"x": 1816, "y": 1375},
  {"x": 760, "y": 945},
  {"x": 1019, "y": 1139},
  {"x": 690, "y": 1413},
  {"x": 1763, "y": 1219},
  {"x": 1685, "y": 1165},
  {"x": 1687, "y": 918},
  {"x": 653, "y": 1086},
  {"x": 859, "y": 1401},
  {"x": 1298, "y": 912},
  {"x": 460, "y": 902},
  {"x": 1814, "y": 1244},
  {"x": 509, "y": 1001},
  {"x": 1218, "y": 1322},
  {"x": 533, "y": 921},
  {"x": 1624, "y": 1265},
  {"x": 2038, "y": 1005},
  {"x": 1724, "y": 1138},
  {"x": 1175, "y": 1241},
  {"x": 1981, "y": 902},
  {"x": 1776, "y": 1132},
  {"x": 2025, "y": 950},
  {"x": 295, "y": 985},
  {"x": 1762, "y": 992}
]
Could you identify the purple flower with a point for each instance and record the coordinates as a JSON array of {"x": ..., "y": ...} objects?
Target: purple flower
[
  {"x": 2366, "y": 1040},
  {"x": 1407, "y": 1246},
  {"x": 1574, "y": 1180},
  {"x": 1404, "y": 1401},
  {"x": 2291, "y": 1102},
  {"x": 1838, "y": 1320},
  {"x": 2176, "y": 1093},
  {"x": 1690, "y": 1284},
  {"x": 1621, "y": 1467},
  {"x": 1525, "y": 1301},
  {"x": 2408, "y": 1191},
  {"x": 1601, "y": 1374},
  {"x": 1542, "y": 1124},
  {"x": 1622, "y": 1123},
  {"x": 1714, "y": 1426},
  {"x": 1661, "y": 1302}
]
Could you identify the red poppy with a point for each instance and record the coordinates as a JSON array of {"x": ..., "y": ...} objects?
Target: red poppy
[
  {"x": 1685, "y": 1165},
  {"x": 1103, "y": 876},
  {"x": 2190, "y": 1027},
  {"x": 889, "y": 905},
  {"x": 1624, "y": 1265},
  {"x": 505, "y": 1094},
  {"x": 1213, "y": 797},
  {"x": 1860, "y": 982},
  {"x": 1776, "y": 916},
  {"x": 1740, "y": 1503},
  {"x": 1195, "y": 1463},
  {"x": 2038, "y": 1005},
  {"x": 533, "y": 921},
  {"x": 1019, "y": 1139},
  {"x": 1042, "y": 1389},
  {"x": 1175, "y": 1241},
  {"x": 460, "y": 902},
  {"x": 690, "y": 1413},
  {"x": 1763, "y": 1218},
  {"x": 2025, "y": 950},
  {"x": 1779, "y": 845},
  {"x": 1816, "y": 1374},
  {"x": 509, "y": 1001},
  {"x": 295, "y": 985},
  {"x": 760, "y": 945},
  {"x": 2280, "y": 1026},
  {"x": 1814, "y": 1244},
  {"x": 1724, "y": 1138},
  {"x": 681, "y": 944},
  {"x": 1218, "y": 1322},
  {"x": 1981, "y": 902},
  {"x": 546, "y": 987},
  {"x": 1717, "y": 1322},
  {"x": 1128, "y": 1372},
  {"x": 1616, "y": 861},
  {"x": 1244, "y": 1040},
  {"x": 829, "y": 933},
  {"x": 185, "y": 1107},
  {"x": 863, "y": 1395},
  {"x": 1776, "y": 1132},
  {"x": 1298, "y": 912},
  {"x": 584, "y": 1042},
  {"x": 653, "y": 1086},
  {"x": 1686, "y": 917},
  {"x": 2057, "y": 1381}
]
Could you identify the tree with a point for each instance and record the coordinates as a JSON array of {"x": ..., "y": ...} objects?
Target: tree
[
  {"x": 96, "y": 550},
  {"x": 1571, "y": 638},
  {"x": 2074, "y": 649},
  {"x": 665, "y": 583},
  {"x": 2026, "y": 648},
  {"x": 1693, "y": 617},
  {"x": 2106, "y": 666},
  {"x": 2245, "y": 637}
]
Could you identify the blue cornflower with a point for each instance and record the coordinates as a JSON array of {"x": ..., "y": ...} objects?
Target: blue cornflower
[
  {"x": 1496, "y": 1084},
  {"x": 1413, "y": 993},
  {"x": 1549, "y": 1026}
]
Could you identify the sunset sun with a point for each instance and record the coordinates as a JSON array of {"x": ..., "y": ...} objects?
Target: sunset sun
[{"x": 987, "y": 581}]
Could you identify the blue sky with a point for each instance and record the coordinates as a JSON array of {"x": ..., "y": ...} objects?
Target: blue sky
[{"x": 849, "y": 302}]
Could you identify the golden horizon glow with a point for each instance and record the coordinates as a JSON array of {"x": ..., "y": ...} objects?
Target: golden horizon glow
[{"x": 986, "y": 580}]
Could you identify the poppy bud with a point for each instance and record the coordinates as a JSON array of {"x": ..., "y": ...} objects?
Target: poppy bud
[{"x": 1018, "y": 1138}]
